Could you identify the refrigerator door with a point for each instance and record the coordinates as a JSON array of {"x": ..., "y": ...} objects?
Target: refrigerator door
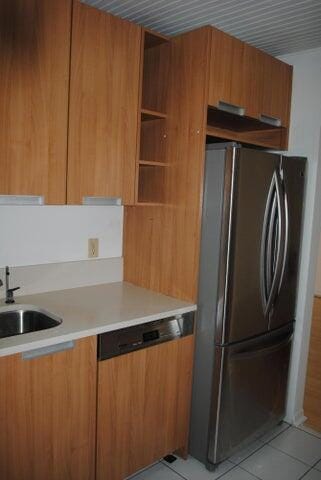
[
  {"x": 284, "y": 303},
  {"x": 250, "y": 183},
  {"x": 249, "y": 391}
]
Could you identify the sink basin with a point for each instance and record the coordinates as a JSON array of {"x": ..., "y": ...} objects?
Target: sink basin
[{"x": 21, "y": 319}]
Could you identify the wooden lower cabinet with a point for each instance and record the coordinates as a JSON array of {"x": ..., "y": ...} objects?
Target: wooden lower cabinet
[
  {"x": 143, "y": 407},
  {"x": 48, "y": 415},
  {"x": 312, "y": 400}
]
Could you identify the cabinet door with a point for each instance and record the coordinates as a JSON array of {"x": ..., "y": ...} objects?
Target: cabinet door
[
  {"x": 34, "y": 77},
  {"x": 47, "y": 415},
  {"x": 143, "y": 407},
  {"x": 277, "y": 89},
  {"x": 104, "y": 90},
  {"x": 227, "y": 74},
  {"x": 244, "y": 76}
]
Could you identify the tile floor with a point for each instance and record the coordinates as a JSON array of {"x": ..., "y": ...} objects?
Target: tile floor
[{"x": 286, "y": 453}]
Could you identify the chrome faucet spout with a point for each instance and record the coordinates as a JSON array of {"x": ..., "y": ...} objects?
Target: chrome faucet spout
[{"x": 9, "y": 291}]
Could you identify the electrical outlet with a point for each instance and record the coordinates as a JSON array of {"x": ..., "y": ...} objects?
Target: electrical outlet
[{"x": 93, "y": 247}]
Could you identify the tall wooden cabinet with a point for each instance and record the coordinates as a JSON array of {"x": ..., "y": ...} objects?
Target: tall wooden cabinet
[
  {"x": 48, "y": 415},
  {"x": 161, "y": 242},
  {"x": 34, "y": 79},
  {"x": 103, "y": 113},
  {"x": 143, "y": 407}
]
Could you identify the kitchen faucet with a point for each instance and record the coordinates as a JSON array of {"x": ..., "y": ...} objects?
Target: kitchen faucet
[{"x": 9, "y": 291}]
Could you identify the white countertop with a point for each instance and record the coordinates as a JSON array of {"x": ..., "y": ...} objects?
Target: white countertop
[{"x": 90, "y": 311}]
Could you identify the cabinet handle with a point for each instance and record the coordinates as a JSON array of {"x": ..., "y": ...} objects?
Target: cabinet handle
[
  {"x": 230, "y": 108},
  {"x": 111, "y": 201},
  {"x": 276, "y": 122},
  {"x": 40, "y": 352}
]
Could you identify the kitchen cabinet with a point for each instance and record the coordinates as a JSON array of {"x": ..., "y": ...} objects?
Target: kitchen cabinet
[
  {"x": 246, "y": 81},
  {"x": 104, "y": 91},
  {"x": 227, "y": 70},
  {"x": 312, "y": 398},
  {"x": 48, "y": 415},
  {"x": 161, "y": 242},
  {"x": 277, "y": 88},
  {"x": 143, "y": 407},
  {"x": 34, "y": 79}
]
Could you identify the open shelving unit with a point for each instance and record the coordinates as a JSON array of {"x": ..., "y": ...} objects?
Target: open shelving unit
[
  {"x": 151, "y": 162},
  {"x": 226, "y": 126}
]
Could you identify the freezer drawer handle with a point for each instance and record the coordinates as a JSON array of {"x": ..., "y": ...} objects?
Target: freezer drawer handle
[{"x": 255, "y": 351}]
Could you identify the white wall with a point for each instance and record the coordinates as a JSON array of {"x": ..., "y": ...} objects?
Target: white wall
[
  {"x": 33, "y": 235},
  {"x": 318, "y": 277},
  {"x": 305, "y": 140}
]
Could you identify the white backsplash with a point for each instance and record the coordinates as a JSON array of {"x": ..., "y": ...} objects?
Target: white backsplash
[
  {"x": 46, "y": 247},
  {"x": 60, "y": 276},
  {"x": 33, "y": 235}
]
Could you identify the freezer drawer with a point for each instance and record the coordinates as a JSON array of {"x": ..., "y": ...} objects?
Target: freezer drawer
[{"x": 249, "y": 391}]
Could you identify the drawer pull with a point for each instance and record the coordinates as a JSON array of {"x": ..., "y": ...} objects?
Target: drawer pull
[
  {"x": 276, "y": 122},
  {"x": 230, "y": 108},
  {"x": 40, "y": 352}
]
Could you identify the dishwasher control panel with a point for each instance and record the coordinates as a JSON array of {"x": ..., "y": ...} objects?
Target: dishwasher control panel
[{"x": 125, "y": 340}]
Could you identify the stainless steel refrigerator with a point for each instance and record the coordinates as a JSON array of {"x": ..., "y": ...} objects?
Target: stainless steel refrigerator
[{"x": 250, "y": 248}]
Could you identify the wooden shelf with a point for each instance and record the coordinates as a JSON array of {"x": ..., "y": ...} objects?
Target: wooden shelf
[
  {"x": 244, "y": 129},
  {"x": 153, "y": 164},
  {"x": 270, "y": 138},
  {"x": 151, "y": 182},
  {"x": 147, "y": 114}
]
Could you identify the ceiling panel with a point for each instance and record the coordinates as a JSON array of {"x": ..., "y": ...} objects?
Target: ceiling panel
[{"x": 277, "y": 26}]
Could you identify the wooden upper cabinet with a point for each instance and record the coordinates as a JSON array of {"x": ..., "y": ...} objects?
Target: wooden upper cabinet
[
  {"x": 227, "y": 74},
  {"x": 244, "y": 76},
  {"x": 34, "y": 78},
  {"x": 48, "y": 415},
  {"x": 277, "y": 88},
  {"x": 104, "y": 91}
]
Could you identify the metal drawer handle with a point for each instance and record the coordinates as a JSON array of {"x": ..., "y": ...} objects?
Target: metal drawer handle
[
  {"x": 230, "y": 108},
  {"x": 275, "y": 121},
  {"x": 40, "y": 352}
]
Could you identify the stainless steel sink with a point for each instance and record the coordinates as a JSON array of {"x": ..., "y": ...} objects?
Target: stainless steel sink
[{"x": 19, "y": 319}]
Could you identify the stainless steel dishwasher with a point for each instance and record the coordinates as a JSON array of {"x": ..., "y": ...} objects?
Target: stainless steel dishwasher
[{"x": 125, "y": 340}]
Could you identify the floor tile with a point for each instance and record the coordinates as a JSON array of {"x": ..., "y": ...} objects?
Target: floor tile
[
  {"x": 157, "y": 472},
  {"x": 318, "y": 466},
  {"x": 305, "y": 428},
  {"x": 271, "y": 464},
  {"x": 238, "y": 474},
  {"x": 241, "y": 455},
  {"x": 312, "y": 475},
  {"x": 299, "y": 444},
  {"x": 192, "y": 469},
  {"x": 274, "y": 432}
]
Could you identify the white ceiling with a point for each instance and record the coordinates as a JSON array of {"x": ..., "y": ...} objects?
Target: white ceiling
[{"x": 277, "y": 26}]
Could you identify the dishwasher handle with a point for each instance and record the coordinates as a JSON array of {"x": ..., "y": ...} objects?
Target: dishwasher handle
[{"x": 126, "y": 340}]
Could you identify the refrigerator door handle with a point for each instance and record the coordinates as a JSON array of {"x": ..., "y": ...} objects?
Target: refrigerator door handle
[
  {"x": 279, "y": 254},
  {"x": 265, "y": 272},
  {"x": 272, "y": 261},
  {"x": 285, "y": 213}
]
